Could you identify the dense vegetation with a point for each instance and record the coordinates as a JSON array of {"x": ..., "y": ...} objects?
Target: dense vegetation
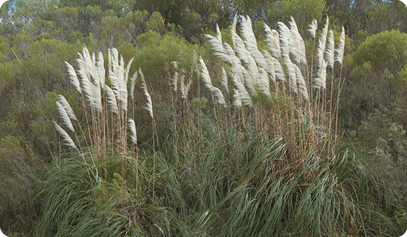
[{"x": 142, "y": 118}]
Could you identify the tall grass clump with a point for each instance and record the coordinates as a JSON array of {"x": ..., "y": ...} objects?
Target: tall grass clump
[
  {"x": 255, "y": 152},
  {"x": 91, "y": 190},
  {"x": 295, "y": 179}
]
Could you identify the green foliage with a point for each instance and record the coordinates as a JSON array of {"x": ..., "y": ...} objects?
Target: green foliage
[
  {"x": 156, "y": 53},
  {"x": 377, "y": 74},
  {"x": 386, "y": 50},
  {"x": 156, "y": 23},
  {"x": 6, "y": 70},
  {"x": 387, "y": 142},
  {"x": 302, "y": 11},
  {"x": 17, "y": 186}
]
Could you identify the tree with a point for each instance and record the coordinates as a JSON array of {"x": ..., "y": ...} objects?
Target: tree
[{"x": 377, "y": 76}]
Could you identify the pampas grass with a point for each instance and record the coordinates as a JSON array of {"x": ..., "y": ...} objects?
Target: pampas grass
[
  {"x": 208, "y": 83},
  {"x": 185, "y": 87},
  {"x": 74, "y": 78},
  {"x": 341, "y": 47},
  {"x": 105, "y": 130},
  {"x": 67, "y": 107},
  {"x": 267, "y": 166},
  {"x": 149, "y": 104},
  {"x": 132, "y": 127},
  {"x": 224, "y": 80},
  {"x": 302, "y": 87},
  {"x": 64, "y": 116},
  {"x": 65, "y": 137},
  {"x": 330, "y": 50},
  {"x": 297, "y": 46},
  {"x": 111, "y": 99},
  {"x": 313, "y": 27}
]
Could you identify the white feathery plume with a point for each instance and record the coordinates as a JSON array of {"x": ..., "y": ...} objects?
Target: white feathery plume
[
  {"x": 80, "y": 56},
  {"x": 84, "y": 58},
  {"x": 67, "y": 107},
  {"x": 218, "y": 95},
  {"x": 186, "y": 89},
  {"x": 313, "y": 27},
  {"x": 101, "y": 69},
  {"x": 247, "y": 33},
  {"x": 276, "y": 37},
  {"x": 93, "y": 59},
  {"x": 174, "y": 81},
  {"x": 323, "y": 74},
  {"x": 115, "y": 59},
  {"x": 121, "y": 73},
  {"x": 117, "y": 79},
  {"x": 92, "y": 91},
  {"x": 74, "y": 78},
  {"x": 243, "y": 94},
  {"x": 114, "y": 81},
  {"x": 205, "y": 73},
  {"x": 237, "y": 102},
  {"x": 208, "y": 83},
  {"x": 264, "y": 84},
  {"x": 97, "y": 97},
  {"x": 218, "y": 34},
  {"x": 218, "y": 48},
  {"x": 297, "y": 46},
  {"x": 109, "y": 59},
  {"x": 251, "y": 44},
  {"x": 182, "y": 89},
  {"x": 240, "y": 49},
  {"x": 246, "y": 57},
  {"x": 270, "y": 64},
  {"x": 236, "y": 63},
  {"x": 224, "y": 80},
  {"x": 89, "y": 63},
  {"x": 64, "y": 116},
  {"x": 253, "y": 70},
  {"x": 302, "y": 87},
  {"x": 94, "y": 72},
  {"x": 216, "y": 44},
  {"x": 238, "y": 79},
  {"x": 230, "y": 52},
  {"x": 132, "y": 128},
  {"x": 285, "y": 35},
  {"x": 123, "y": 98},
  {"x": 88, "y": 69},
  {"x": 133, "y": 84},
  {"x": 320, "y": 80},
  {"x": 126, "y": 78},
  {"x": 341, "y": 47},
  {"x": 86, "y": 84},
  {"x": 233, "y": 30},
  {"x": 273, "y": 41},
  {"x": 322, "y": 43},
  {"x": 278, "y": 70},
  {"x": 149, "y": 106},
  {"x": 68, "y": 140},
  {"x": 249, "y": 81},
  {"x": 291, "y": 72},
  {"x": 330, "y": 50},
  {"x": 111, "y": 99}
]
